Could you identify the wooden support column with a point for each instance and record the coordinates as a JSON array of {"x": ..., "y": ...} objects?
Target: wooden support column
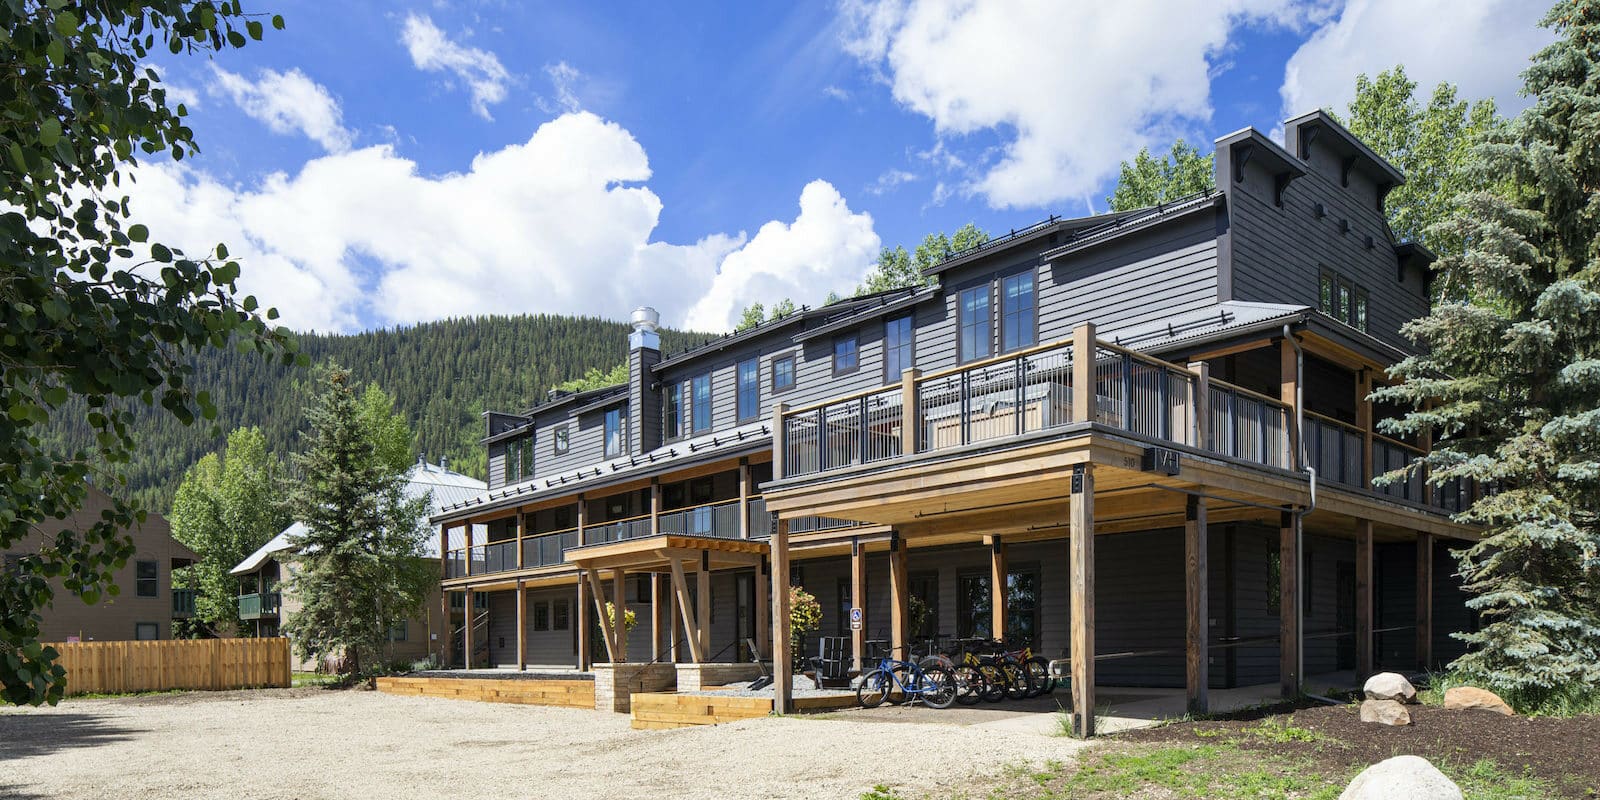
[
  {"x": 1288, "y": 382},
  {"x": 1364, "y": 643},
  {"x": 1425, "y": 443},
  {"x": 997, "y": 587},
  {"x": 584, "y": 648},
  {"x": 583, "y": 519},
  {"x": 1364, "y": 422},
  {"x": 763, "y": 622},
  {"x": 444, "y": 559},
  {"x": 1200, "y": 408},
  {"x": 1424, "y": 601},
  {"x": 467, "y": 529},
  {"x": 744, "y": 500},
  {"x": 655, "y": 505},
  {"x": 522, "y": 530},
  {"x": 858, "y": 599},
  {"x": 448, "y": 646},
  {"x": 1288, "y": 607},
  {"x": 1197, "y": 594},
  {"x": 658, "y": 620},
  {"x": 607, "y": 635},
  {"x": 702, "y": 606},
  {"x": 466, "y": 629},
  {"x": 910, "y": 416},
  {"x": 1083, "y": 352},
  {"x": 782, "y": 658},
  {"x": 686, "y": 609},
  {"x": 619, "y": 622},
  {"x": 1080, "y": 573},
  {"x": 778, "y": 443},
  {"x": 522, "y": 625},
  {"x": 899, "y": 598}
]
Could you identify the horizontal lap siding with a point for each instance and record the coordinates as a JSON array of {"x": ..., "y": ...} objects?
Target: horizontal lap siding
[
  {"x": 1450, "y": 612},
  {"x": 1147, "y": 277},
  {"x": 1395, "y": 573},
  {"x": 1254, "y": 663}
]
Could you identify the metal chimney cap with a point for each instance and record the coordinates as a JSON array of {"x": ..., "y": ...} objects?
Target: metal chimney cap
[{"x": 645, "y": 318}]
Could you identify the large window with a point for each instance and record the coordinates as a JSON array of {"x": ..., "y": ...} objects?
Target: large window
[
  {"x": 519, "y": 459},
  {"x": 700, "y": 403},
  {"x": 897, "y": 353},
  {"x": 974, "y": 320},
  {"x": 672, "y": 412},
  {"x": 146, "y": 579},
  {"x": 616, "y": 435},
  {"x": 974, "y": 607},
  {"x": 846, "y": 354},
  {"x": 749, "y": 389},
  {"x": 925, "y": 592},
  {"x": 783, "y": 378},
  {"x": 1339, "y": 297},
  {"x": 1017, "y": 312}
]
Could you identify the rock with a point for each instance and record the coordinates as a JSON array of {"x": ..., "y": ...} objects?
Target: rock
[
  {"x": 1385, "y": 712},
  {"x": 1473, "y": 697},
  {"x": 1402, "y": 778},
  {"x": 1390, "y": 686}
]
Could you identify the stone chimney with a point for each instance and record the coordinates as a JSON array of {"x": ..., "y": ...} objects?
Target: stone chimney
[{"x": 644, "y": 397}]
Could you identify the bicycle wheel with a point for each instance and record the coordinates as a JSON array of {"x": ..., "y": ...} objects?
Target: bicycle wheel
[
  {"x": 873, "y": 689},
  {"x": 970, "y": 685},
  {"x": 899, "y": 678},
  {"x": 938, "y": 687},
  {"x": 1017, "y": 684},
  {"x": 1039, "y": 670},
  {"x": 994, "y": 683}
]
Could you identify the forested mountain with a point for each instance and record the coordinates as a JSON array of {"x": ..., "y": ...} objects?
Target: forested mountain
[{"x": 442, "y": 375}]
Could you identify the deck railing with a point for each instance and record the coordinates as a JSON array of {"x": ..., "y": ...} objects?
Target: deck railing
[
  {"x": 1144, "y": 395},
  {"x": 618, "y": 530},
  {"x": 258, "y": 605},
  {"x": 548, "y": 549},
  {"x": 1389, "y": 455},
  {"x": 1247, "y": 425},
  {"x": 856, "y": 429},
  {"x": 716, "y": 520},
  {"x": 1334, "y": 449},
  {"x": 183, "y": 602},
  {"x": 760, "y": 518}
]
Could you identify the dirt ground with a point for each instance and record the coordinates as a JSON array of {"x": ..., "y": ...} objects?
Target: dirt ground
[
  {"x": 1565, "y": 753},
  {"x": 316, "y": 743}
]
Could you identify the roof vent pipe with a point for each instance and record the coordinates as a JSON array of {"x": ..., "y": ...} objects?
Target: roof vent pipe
[{"x": 645, "y": 321}]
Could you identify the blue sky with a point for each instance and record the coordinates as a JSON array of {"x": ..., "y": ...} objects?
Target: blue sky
[{"x": 380, "y": 164}]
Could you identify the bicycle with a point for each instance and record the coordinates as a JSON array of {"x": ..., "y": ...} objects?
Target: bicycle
[
  {"x": 1040, "y": 682},
  {"x": 971, "y": 684},
  {"x": 932, "y": 685}
]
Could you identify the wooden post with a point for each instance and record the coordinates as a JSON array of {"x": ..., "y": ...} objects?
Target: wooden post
[
  {"x": 1288, "y": 382},
  {"x": 674, "y": 649},
  {"x": 782, "y": 658},
  {"x": 1197, "y": 592},
  {"x": 1424, "y": 601},
  {"x": 1200, "y": 425},
  {"x": 1425, "y": 443},
  {"x": 763, "y": 624},
  {"x": 1364, "y": 422},
  {"x": 466, "y": 628},
  {"x": 910, "y": 415},
  {"x": 447, "y": 646},
  {"x": 656, "y": 618},
  {"x": 858, "y": 599},
  {"x": 607, "y": 635},
  {"x": 522, "y": 530},
  {"x": 1364, "y": 662},
  {"x": 686, "y": 609},
  {"x": 584, "y": 647},
  {"x": 997, "y": 587},
  {"x": 1083, "y": 390},
  {"x": 778, "y": 443},
  {"x": 619, "y": 611},
  {"x": 744, "y": 499},
  {"x": 1288, "y": 608},
  {"x": 1080, "y": 522},
  {"x": 583, "y": 518},
  {"x": 467, "y": 528},
  {"x": 522, "y": 625},
  {"x": 702, "y": 606},
  {"x": 899, "y": 598},
  {"x": 444, "y": 559},
  {"x": 655, "y": 505}
]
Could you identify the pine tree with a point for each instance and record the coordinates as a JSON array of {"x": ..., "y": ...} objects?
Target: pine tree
[
  {"x": 358, "y": 569},
  {"x": 1514, "y": 380}
]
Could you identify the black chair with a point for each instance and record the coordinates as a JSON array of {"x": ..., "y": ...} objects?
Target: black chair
[{"x": 832, "y": 662}]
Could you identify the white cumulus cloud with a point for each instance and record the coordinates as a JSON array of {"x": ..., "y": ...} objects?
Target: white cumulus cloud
[
  {"x": 1073, "y": 87},
  {"x": 1482, "y": 46},
  {"x": 561, "y": 223},
  {"x": 486, "y": 78},
  {"x": 288, "y": 102}
]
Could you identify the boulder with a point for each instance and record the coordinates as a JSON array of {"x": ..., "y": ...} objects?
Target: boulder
[
  {"x": 1402, "y": 778},
  {"x": 1385, "y": 712},
  {"x": 1390, "y": 686},
  {"x": 1473, "y": 697}
]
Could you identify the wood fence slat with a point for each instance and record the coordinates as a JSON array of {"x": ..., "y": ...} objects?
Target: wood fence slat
[{"x": 121, "y": 667}]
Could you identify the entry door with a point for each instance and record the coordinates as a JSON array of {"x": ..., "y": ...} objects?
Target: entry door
[
  {"x": 1345, "y": 616},
  {"x": 745, "y": 592}
]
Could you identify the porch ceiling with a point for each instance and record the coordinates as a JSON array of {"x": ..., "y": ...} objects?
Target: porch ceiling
[{"x": 659, "y": 553}]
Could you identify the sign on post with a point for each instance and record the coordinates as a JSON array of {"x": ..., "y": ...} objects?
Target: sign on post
[{"x": 855, "y": 619}]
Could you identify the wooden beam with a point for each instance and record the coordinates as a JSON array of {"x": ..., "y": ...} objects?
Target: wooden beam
[
  {"x": 619, "y": 611},
  {"x": 899, "y": 600},
  {"x": 1288, "y": 607},
  {"x": 1197, "y": 594},
  {"x": 448, "y": 646},
  {"x": 1083, "y": 392},
  {"x": 782, "y": 658},
  {"x": 997, "y": 587},
  {"x": 657, "y": 634},
  {"x": 522, "y": 627},
  {"x": 702, "y": 608},
  {"x": 910, "y": 414},
  {"x": 655, "y": 505},
  {"x": 468, "y": 562},
  {"x": 858, "y": 599},
  {"x": 584, "y": 626},
  {"x": 522, "y": 530},
  {"x": 744, "y": 498},
  {"x": 1288, "y": 382},
  {"x": 1364, "y": 661},
  {"x": 1200, "y": 405},
  {"x": 583, "y": 519},
  {"x": 606, "y": 633},
  {"x": 680, "y": 588},
  {"x": 763, "y": 622},
  {"x": 1081, "y": 591},
  {"x": 1364, "y": 422},
  {"x": 1230, "y": 350},
  {"x": 1424, "y": 601}
]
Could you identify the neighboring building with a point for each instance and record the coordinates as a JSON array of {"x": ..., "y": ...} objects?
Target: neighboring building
[
  {"x": 146, "y": 603},
  {"x": 264, "y": 606},
  {"x": 1141, "y": 375}
]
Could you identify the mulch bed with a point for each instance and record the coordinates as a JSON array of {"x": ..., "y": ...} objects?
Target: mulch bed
[{"x": 1563, "y": 752}]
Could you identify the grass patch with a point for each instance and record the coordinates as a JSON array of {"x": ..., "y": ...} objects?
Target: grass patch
[
  {"x": 299, "y": 679},
  {"x": 1560, "y": 703},
  {"x": 113, "y": 695}
]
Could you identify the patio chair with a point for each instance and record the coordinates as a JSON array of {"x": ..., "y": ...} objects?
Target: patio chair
[{"x": 832, "y": 662}]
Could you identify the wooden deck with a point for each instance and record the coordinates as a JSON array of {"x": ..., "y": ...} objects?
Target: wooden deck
[
  {"x": 563, "y": 693},
  {"x": 667, "y": 710}
]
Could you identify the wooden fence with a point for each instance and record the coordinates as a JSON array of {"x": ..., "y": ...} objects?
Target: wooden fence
[{"x": 118, "y": 667}]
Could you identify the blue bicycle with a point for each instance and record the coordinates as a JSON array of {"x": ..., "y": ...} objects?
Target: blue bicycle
[{"x": 899, "y": 681}]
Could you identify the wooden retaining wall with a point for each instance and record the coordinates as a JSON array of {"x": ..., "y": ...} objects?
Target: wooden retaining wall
[
  {"x": 156, "y": 666},
  {"x": 531, "y": 692}
]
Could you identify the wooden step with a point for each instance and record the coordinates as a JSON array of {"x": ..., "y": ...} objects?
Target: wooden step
[{"x": 564, "y": 693}]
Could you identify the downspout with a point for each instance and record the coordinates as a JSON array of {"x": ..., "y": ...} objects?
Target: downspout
[{"x": 1300, "y": 514}]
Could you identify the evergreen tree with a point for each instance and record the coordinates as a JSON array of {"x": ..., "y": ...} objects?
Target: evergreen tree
[
  {"x": 1514, "y": 377},
  {"x": 1149, "y": 181},
  {"x": 359, "y": 567},
  {"x": 227, "y": 507}
]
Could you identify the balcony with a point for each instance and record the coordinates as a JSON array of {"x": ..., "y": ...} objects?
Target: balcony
[
  {"x": 259, "y": 605},
  {"x": 183, "y": 603}
]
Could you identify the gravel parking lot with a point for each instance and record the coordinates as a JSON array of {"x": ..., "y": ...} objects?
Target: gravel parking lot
[{"x": 312, "y": 743}]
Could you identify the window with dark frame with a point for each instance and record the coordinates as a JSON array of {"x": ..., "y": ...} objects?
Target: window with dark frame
[
  {"x": 397, "y": 631},
  {"x": 749, "y": 394},
  {"x": 700, "y": 403},
  {"x": 783, "y": 378},
  {"x": 558, "y": 615},
  {"x": 147, "y": 579},
  {"x": 846, "y": 354},
  {"x": 541, "y": 616},
  {"x": 897, "y": 348},
  {"x": 1017, "y": 312},
  {"x": 1341, "y": 298},
  {"x": 973, "y": 604},
  {"x": 672, "y": 411},
  {"x": 843, "y": 605},
  {"x": 615, "y": 436},
  {"x": 561, "y": 440},
  {"x": 146, "y": 631},
  {"x": 974, "y": 319}
]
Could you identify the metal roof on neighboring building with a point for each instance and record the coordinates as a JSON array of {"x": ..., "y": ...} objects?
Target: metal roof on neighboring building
[{"x": 1219, "y": 319}]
